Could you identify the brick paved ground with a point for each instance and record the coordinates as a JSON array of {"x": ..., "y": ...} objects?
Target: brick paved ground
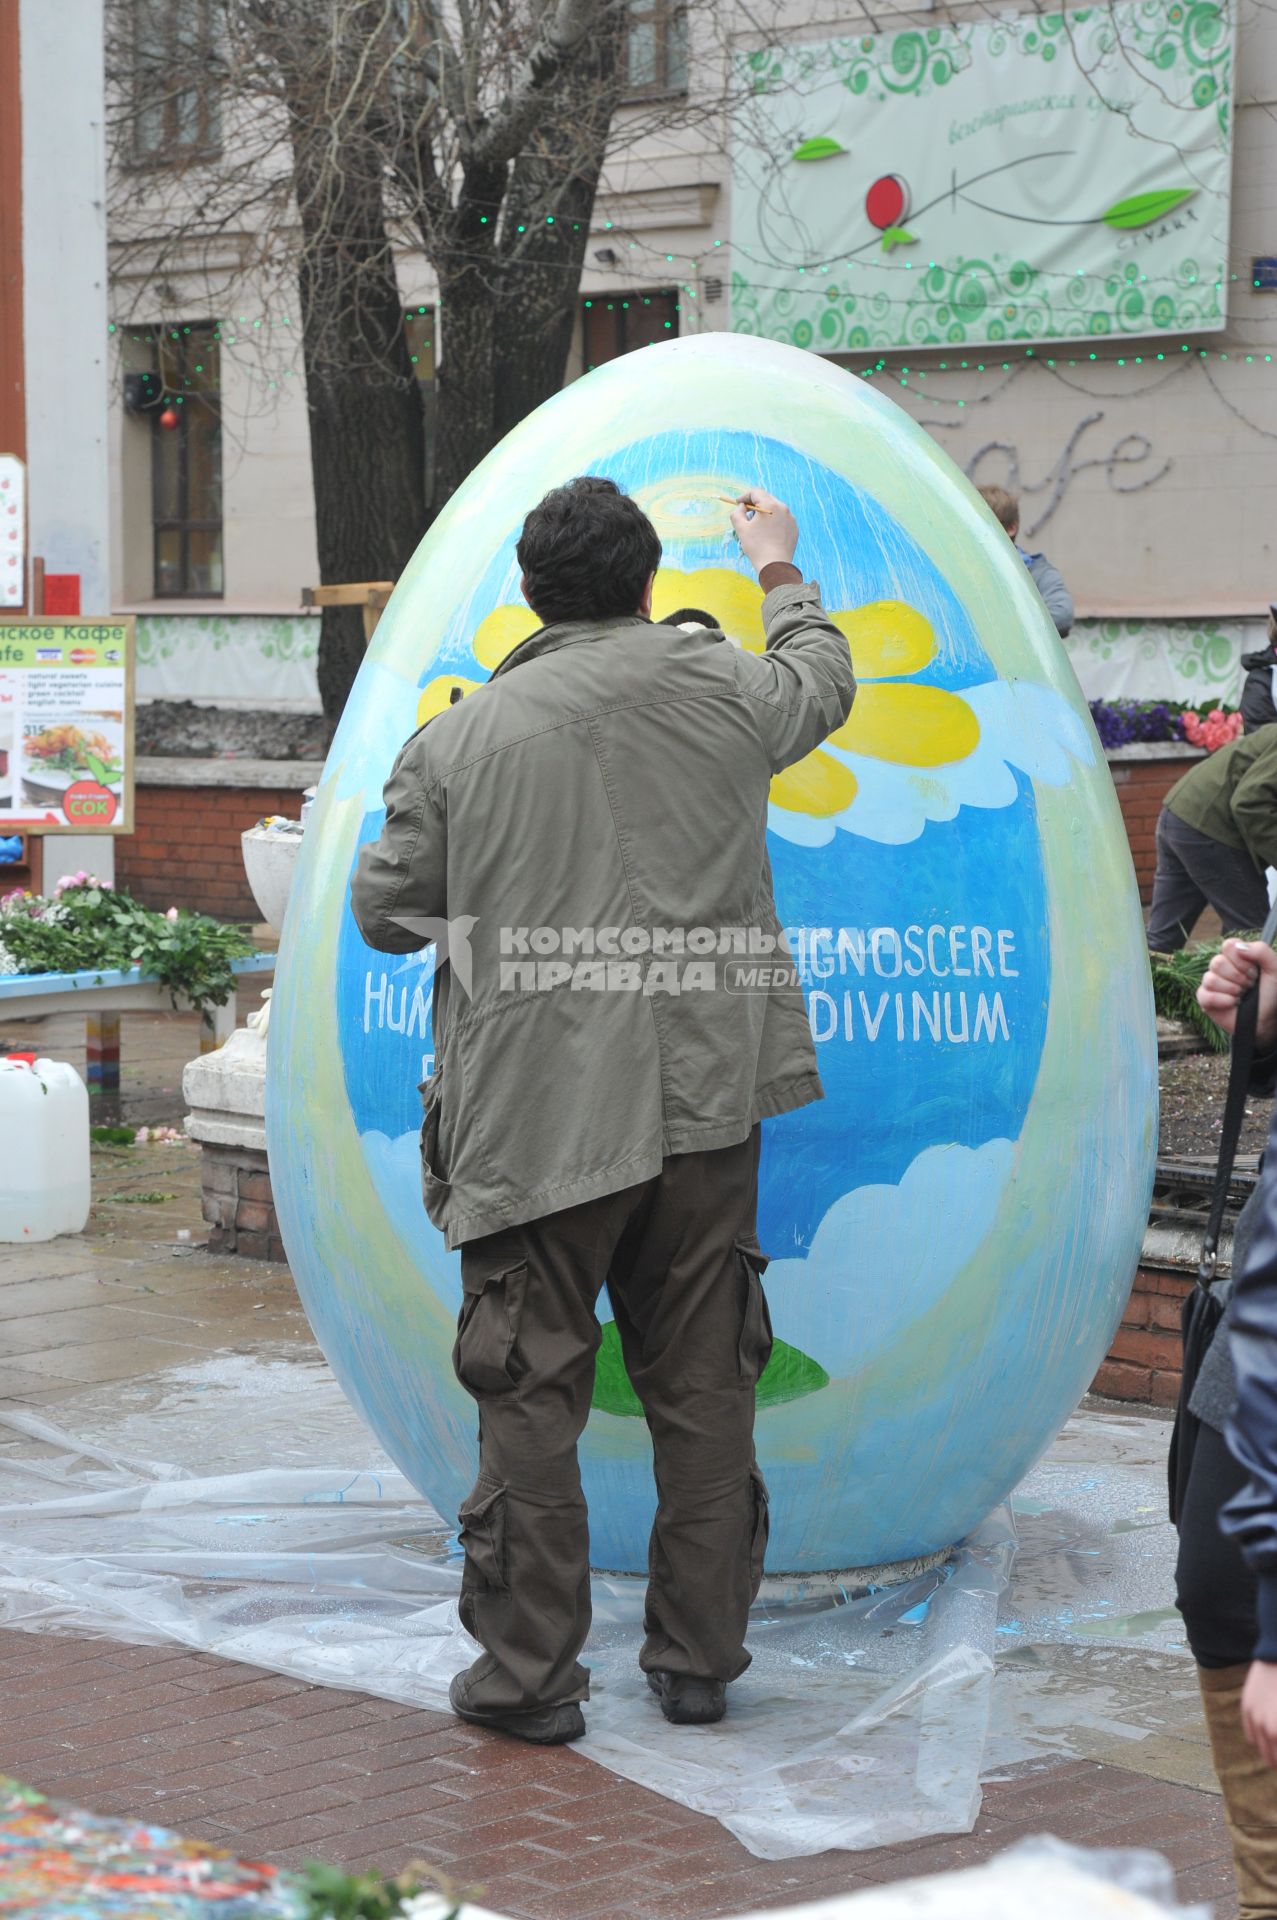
[{"x": 273, "y": 1769}]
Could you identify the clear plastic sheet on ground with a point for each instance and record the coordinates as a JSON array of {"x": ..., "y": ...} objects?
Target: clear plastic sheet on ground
[{"x": 146, "y": 1513}]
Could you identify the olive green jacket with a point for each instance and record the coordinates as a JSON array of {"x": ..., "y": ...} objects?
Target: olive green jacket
[
  {"x": 598, "y": 805},
  {"x": 1232, "y": 796}
]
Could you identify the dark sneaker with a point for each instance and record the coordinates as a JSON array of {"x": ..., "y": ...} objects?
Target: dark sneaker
[
  {"x": 687, "y": 1700},
  {"x": 543, "y": 1726}
]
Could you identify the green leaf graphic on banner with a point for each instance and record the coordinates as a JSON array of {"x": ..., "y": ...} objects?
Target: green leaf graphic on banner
[
  {"x": 897, "y": 237},
  {"x": 1142, "y": 209},
  {"x": 789, "y": 1375},
  {"x": 819, "y": 148}
]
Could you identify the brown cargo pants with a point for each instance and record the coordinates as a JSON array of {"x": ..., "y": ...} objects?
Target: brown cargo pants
[
  {"x": 1250, "y": 1792},
  {"x": 683, "y": 1269}
]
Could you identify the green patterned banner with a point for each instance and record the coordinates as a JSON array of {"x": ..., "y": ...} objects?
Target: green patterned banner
[{"x": 1048, "y": 177}]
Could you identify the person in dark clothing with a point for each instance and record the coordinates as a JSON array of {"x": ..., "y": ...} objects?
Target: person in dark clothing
[
  {"x": 1216, "y": 834},
  {"x": 1259, "y": 708},
  {"x": 1226, "y": 1575},
  {"x": 611, "y": 778}
]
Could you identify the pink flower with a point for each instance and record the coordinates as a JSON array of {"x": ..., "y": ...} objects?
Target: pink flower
[
  {"x": 171, "y": 914},
  {"x": 1214, "y": 731}
]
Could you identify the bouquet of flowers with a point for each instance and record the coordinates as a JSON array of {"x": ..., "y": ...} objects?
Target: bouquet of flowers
[{"x": 1212, "y": 730}]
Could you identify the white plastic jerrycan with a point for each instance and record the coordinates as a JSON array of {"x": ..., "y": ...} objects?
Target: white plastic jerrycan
[{"x": 44, "y": 1148}]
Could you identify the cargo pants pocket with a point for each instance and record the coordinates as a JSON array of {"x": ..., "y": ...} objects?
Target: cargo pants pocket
[
  {"x": 756, "y": 1324},
  {"x": 482, "y": 1523},
  {"x": 486, "y": 1356}
]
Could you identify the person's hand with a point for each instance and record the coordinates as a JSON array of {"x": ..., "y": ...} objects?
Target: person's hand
[
  {"x": 765, "y": 527},
  {"x": 1259, "y": 1710},
  {"x": 1226, "y": 979}
]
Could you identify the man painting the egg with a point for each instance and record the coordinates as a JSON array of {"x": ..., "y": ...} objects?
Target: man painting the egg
[{"x": 598, "y": 1121}]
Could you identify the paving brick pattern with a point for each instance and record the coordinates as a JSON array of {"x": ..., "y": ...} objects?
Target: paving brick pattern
[{"x": 274, "y": 1769}]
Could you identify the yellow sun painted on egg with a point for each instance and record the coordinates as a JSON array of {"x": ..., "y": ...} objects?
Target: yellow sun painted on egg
[
  {"x": 501, "y": 632},
  {"x": 887, "y": 637},
  {"x": 734, "y": 600},
  {"x": 905, "y": 725},
  {"x": 819, "y": 785},
  {"x": 910, "y": 726},
  {"x": 438, "y": 694}
]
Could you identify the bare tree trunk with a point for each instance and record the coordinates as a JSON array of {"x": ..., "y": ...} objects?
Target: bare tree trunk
[
  {"x": 558, "y": 173},
  {"x": 367, "y": 441},
  {"x": 508, "y": 310}
]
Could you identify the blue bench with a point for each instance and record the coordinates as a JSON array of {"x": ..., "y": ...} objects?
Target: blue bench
[{"x": 103, "y": 996}]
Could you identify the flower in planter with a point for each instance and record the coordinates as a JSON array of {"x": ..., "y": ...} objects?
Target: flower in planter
[
  {"x": 1212, "y": 730},
  {"x": 84, "y": 925}
]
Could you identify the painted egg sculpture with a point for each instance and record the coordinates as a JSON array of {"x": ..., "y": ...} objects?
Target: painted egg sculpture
[{"x": 953, "y": 1229}]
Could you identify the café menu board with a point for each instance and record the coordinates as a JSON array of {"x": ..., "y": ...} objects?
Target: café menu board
[{"x": 66, "y": 726}]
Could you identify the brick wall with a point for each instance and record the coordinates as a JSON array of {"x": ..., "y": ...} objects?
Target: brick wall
[
  {"x": 238, "y": 1203},
  {"x": 185, "y": 851},
  {"x": 1142, "y": 785},
  {"x": 1145, "y": 1359}
]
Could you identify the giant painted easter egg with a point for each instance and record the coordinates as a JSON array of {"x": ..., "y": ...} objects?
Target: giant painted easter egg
[{"x": 953, "y": 1230}]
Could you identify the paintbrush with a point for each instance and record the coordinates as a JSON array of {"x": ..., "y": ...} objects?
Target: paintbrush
[{"x": 729, "y": 502}]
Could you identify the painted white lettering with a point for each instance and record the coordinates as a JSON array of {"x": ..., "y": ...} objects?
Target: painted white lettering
[
  {"x": 962, "y": 1034},
  {"x": 1006, "y": 949},
  {"x": 375, "y": 995},
  {"x": 822, "y": 1012},
  {"x": 930, "y": 1014},
  {"x": 872, "y": 1020},
  {"x": 991, "y": 1017},
  {"x": 981, "y": 948},
  {"x": 851, "y": 948},
  {"x": 820, "y": 948},
  {"x": 880, "y": 938}
]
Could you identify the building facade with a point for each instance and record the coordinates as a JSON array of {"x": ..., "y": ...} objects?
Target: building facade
[{"x": 1143, "y": 442}]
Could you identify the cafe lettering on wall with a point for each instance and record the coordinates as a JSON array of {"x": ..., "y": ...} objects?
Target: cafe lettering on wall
[{"x": 66, "y": 725}]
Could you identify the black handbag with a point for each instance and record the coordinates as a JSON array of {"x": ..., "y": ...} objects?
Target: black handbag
[{"x": 1202, "y": 1311}]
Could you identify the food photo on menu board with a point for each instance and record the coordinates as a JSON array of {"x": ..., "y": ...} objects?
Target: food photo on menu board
[{"x": 65, "y": 732}]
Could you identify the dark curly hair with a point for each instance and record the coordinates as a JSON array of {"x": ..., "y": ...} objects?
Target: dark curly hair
[{"x": 587, "y": 552}]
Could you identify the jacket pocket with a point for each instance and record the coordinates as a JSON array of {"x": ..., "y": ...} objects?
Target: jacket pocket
[
  {"x": 483, "y": 1539},
  {"x": 760, "y": 1526},
  {"x": 756, "y": 1324},
  {"x": 435, "y": 1187},
  {"x": 486, "y": 1355}
]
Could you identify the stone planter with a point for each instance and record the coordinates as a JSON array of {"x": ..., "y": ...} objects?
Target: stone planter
[
  {"x": 270, "y": 856},
  {"x": 226, "y": 1090}
]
